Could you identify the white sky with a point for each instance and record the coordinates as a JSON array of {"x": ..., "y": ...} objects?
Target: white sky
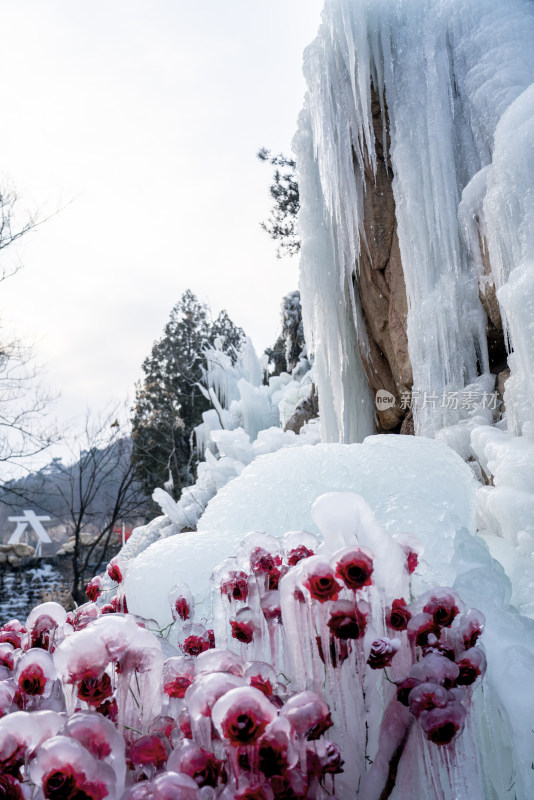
[{"x": 142, "y": 118}]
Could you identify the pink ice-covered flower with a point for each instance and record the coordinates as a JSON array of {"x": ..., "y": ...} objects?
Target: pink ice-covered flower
[
  {"x": 193, "y": 645},
  {"x": 298, "y": 554},
  {"x": 95, "y": 690},
  {"x": 178, "y": 686},
  {"x": 321, "y": 583},
  {"x": 114, "y": 571},
  {"x": 93, "y": 589},
  {"x": 242, "y": 631},
  {"x": 67, "y": 784},
  {"x": 10, "y": 788},
  {"x": 399, "y": 616},
  {"x": 346, "y": 620},
  {"x": 32, "y": 680},
  {"x": 242, "y": 714},
  {"x": 181, "y": 606},
  {"x": 235, "y": 587},
  {"x": 149, "y": 750},
  {"x": 199, "y": 764},
  {"x": 355, "y": 568},
  {"x": 261, "y": 561},
  {"x": 426, "y": 696},
  {"x": 423, "y": 629},
  {"x": 443, "y": 608},
  {"x": 441, "y": 725},
  {"x": 308, "y": 713},
  {"x": 472, "y": 664},
  {"x": 263, "y": 684},
  {"x": 382, "y": 652}
]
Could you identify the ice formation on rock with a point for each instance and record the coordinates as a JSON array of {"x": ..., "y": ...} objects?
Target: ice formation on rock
[{"x": 457, "y": 80}]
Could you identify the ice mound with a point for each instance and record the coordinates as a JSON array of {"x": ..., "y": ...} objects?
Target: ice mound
[{"x": 415, "y": 486}]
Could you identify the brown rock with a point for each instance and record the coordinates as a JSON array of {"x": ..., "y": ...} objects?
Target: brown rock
[
  {"x": 306, "y": 410},
  {"x": 381, "y": 286}
]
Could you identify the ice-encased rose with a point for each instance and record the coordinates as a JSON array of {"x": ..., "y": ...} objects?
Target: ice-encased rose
[
  {"x": 308, "y": 713},
  {"x": 443, "y": 607},
  {"x": 441, "y": 725},
  {"x": 320, "y": 581},
  {"x": 242, "y": 714},
  {"x": 399, "y": 615},
  {"x": 346, "y": 621},
  {"x": 382, "y": 652},
  {"x": 354, "y": 566}
]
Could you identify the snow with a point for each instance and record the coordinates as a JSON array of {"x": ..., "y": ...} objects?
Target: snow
[{"x": 413, "y": 485}]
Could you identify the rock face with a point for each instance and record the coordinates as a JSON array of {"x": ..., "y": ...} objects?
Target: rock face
[
  {"x": 16, "y": 554},
  {"x": 306, "y": 410},
  {"x": 382, "y": 292},
  {"x": 381, "y": 283}
]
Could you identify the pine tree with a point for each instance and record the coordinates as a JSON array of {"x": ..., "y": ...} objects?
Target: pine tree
[
  {"x": 290, "y": 346},
  {"x": 169, "y": 402},
  {"x": 282, "y": 222}
]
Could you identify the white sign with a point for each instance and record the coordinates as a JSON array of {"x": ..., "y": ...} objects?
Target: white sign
[{"x": 31, "y": 518}]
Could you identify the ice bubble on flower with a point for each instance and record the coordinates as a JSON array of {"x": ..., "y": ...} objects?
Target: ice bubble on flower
[
  {"x": 201, "y": 765},
  {"x": 181, "y": 603},
  {"x": 319, "y": 580},
  {"x": 218, "y": 660},
  {"x": 262, "y": 676},
  {"x": 241, "y": 715},
  {"x": 101, "y": 738},
  {"x": 297, "y": 545},
  {"x": 308, "y": 713},
  {"x": 35, "y": 673},
  {"x": 178, "y": 675},
  {"x": 63, "y": 767}
]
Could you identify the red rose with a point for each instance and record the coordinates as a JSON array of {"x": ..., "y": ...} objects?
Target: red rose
[
  {"x": 443, "y": 609},
  {"x": 182, "y": 608},
  {"x": 199, "y": 764},
  {"x": 114, "y": 572},
  {"x": 236, "y": 586},
  {"x": 321, "y": 584},
  {"x": 95, "y": 690},
  {"x": 423, "y": 629},
  {"x": 10, "y": 788},
  {"x": 109, "y": 709},
  {"x": 382, "y": 652},
  {"x": 262, "y": 561},
  {"x": 441, "y": 725},
  {"x": 272, "y": 753},
  {"x": 60, "y": 783},
  {"x": 194, "y": 645},
  {"x": 426, "y": 696},
  {"x": 178, "y": 686},
  {"x": 355, "y": 569},
  {"x": 32, "y": 680},
  {"x": 399, "y": 616},
  {"x": 93, "y": 589},
  {"x": 263, "y": 684},
  {"x": 148, "y": 750},
  {"x": 346, "y": 621},
  {"x": 274, "y": 579},
  {"x": 242, "y": 631},
  {"x": 472, "y": 663},
  {"x": 298, "y": 554}
]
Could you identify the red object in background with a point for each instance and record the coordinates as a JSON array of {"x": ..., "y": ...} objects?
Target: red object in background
[{"x": 127, "y": 532}]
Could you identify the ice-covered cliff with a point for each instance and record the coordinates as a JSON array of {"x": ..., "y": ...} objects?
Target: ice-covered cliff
[{"x": 416, "y": 165}]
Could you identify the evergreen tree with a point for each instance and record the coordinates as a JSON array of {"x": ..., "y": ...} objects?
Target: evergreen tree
[
  {"x": 169, "y": 402},
  {"x": 282, "y": 222},
  {"x": 290, "y": 346}
]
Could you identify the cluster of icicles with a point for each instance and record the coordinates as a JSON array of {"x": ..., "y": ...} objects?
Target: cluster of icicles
[{"x": 311, "y": 661}]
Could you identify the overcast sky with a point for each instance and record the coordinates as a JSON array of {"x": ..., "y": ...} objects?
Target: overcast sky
[{"x": 141, "y": 121}]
